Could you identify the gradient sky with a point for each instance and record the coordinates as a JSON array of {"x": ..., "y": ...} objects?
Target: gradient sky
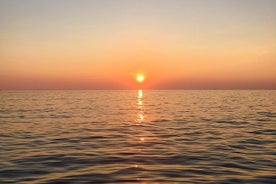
[{"x": 103, "y": 44}]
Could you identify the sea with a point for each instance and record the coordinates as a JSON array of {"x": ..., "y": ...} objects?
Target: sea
[{"x": 138, "y": 136}]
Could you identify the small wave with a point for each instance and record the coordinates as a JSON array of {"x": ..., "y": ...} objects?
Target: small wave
[
  {"x": 264, "y": 132},
  {"x": 268, "y": 114},
  {"x": 160, "y": 120}
]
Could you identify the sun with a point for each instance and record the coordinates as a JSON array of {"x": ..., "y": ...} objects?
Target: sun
[{"x": 140, "y": 78}]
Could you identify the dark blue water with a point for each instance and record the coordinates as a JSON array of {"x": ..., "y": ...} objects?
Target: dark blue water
[{"x": 138, "y": 136}]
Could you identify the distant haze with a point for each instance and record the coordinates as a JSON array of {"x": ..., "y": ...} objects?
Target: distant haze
[{"x": 103, "y": 44}]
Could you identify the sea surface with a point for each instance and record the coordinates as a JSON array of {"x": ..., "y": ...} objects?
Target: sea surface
[{"x": 138, "y": 136}]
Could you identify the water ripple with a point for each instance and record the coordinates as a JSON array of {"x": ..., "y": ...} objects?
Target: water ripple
[{"x": 138, "y": 137}]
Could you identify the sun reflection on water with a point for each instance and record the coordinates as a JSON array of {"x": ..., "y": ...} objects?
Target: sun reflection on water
[
  {"x": 140, "y": 120},
  {"x": 140, "y": 115},
  {"x": 140, "y": 93}
]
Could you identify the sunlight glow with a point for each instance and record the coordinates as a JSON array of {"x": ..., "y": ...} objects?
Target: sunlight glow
[{"x": 140, "y": 78}]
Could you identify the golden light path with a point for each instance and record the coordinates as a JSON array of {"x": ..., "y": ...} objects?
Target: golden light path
[{"x": 140, "y": 118}]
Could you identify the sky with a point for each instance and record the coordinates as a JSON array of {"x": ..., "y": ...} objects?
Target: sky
[{"x": 104, "y": 44}]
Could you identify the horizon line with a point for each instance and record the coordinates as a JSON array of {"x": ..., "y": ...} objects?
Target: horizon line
[{"x": 153, "y": 89}]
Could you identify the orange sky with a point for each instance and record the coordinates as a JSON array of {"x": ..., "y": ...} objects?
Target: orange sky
[{"x": 104, "y": 44}]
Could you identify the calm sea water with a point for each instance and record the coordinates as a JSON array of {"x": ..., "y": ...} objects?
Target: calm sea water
[{"x": 138, "y": 136}]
